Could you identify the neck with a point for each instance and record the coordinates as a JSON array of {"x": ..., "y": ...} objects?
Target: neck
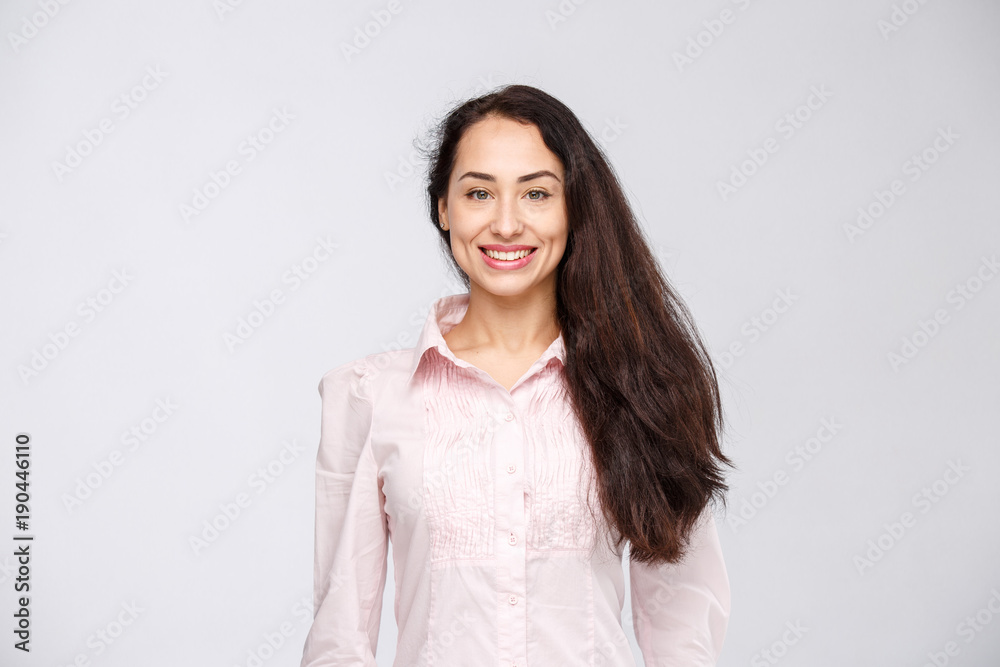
[{"x": 511, "y": 325}]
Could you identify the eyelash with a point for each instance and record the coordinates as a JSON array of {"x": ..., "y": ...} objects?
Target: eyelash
[{"x": 545, "y": 195}]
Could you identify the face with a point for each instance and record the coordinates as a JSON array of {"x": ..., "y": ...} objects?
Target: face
[{"x": 506, "y": 196}]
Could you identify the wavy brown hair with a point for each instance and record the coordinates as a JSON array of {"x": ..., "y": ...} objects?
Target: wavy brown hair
[{"x": 639, "y": 376}]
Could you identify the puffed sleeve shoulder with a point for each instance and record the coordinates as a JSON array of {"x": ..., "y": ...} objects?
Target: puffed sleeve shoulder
[
  {"x": 345, "y": 396},
  {"x": 680, "y": 611},
  {"x": 351, "y": 529},
  {"x": 346, "y": 414}
]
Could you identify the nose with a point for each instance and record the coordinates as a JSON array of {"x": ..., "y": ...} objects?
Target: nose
[{"x": 507, "y": 221}]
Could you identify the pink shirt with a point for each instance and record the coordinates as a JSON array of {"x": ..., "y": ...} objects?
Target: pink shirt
[{"x": 482, "y": 493}]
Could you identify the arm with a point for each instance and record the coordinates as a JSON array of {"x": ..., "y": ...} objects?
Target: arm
[
  {"x": 351, "y": 531},
  {"x": 680, "y": 611}
]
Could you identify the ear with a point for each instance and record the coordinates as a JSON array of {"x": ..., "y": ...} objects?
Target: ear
[{"x": 443, "y": 213}]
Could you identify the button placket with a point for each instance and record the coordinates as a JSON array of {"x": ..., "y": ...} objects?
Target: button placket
[{"x": 511, "y": 524}]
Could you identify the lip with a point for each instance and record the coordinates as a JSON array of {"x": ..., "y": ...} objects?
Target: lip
[
  {"x": 505, "y": 265},
  {"x": 507, "y": 248}
]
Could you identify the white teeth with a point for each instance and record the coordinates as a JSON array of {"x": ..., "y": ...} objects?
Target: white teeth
[{"x": 507, "y": 256}]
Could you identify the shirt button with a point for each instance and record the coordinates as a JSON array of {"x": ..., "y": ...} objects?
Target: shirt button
[
  {"x": 512, "y": 539},
  {"x": 512, "y": 599},
  {"x": 509, "y": 416},
  {"x": 511, "y": 468}
]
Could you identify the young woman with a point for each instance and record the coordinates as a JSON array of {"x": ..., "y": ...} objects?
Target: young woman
[{"x": 563, "y": 407}]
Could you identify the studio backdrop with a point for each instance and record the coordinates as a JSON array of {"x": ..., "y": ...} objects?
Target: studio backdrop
[{"x": 207, "y": 204}]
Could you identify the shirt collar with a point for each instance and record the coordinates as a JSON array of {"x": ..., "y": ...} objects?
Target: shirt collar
[{"x": 445, "y": 313}]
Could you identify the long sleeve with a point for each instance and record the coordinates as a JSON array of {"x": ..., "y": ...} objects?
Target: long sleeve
[
  {"x": 351, "y": 531},
  {"x": 680, "y": 611}
]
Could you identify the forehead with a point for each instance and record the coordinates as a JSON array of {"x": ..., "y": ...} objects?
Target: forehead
[{"x": 498, "y": 145}]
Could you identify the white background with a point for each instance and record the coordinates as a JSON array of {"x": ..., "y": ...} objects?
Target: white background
[{"x": 894, "y": 78}]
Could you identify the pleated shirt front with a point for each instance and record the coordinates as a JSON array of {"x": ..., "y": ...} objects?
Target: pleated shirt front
[{"x": 501, "y": 556}]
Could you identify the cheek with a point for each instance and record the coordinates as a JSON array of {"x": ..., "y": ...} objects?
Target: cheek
[{"x": 463, "y": 251}]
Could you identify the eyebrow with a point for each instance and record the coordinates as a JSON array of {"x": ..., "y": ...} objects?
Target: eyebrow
[{"x": 527, "y": 177}]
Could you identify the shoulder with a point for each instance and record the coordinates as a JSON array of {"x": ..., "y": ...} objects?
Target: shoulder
[{"x": 365, "y": 375}]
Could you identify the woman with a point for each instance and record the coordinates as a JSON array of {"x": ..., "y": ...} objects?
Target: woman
[{"x": 562, "y": 407}]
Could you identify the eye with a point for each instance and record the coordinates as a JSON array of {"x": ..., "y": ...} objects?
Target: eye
[
  {"x": 473, "y": 194},
  {"x": 542, "y": 195}
]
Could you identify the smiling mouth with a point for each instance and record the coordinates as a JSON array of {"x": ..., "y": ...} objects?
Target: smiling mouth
[{"x": 507, "y": 256}]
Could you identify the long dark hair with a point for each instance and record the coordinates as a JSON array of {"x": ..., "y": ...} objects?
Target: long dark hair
[{"x": 638, "y": 374}]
